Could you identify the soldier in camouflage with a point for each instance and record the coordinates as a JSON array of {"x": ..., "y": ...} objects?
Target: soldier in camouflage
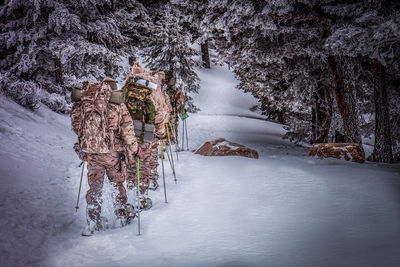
[
  {"x": 146, "y": 105},
  {"x": 161, "y": 100},
  {"x": 105, "y": 132},
  {"x": 177, "y": 101}
]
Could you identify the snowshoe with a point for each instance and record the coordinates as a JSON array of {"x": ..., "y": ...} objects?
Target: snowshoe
[
  {"x": 146, "y": 203},
  {"x": 153, "y": 185}
]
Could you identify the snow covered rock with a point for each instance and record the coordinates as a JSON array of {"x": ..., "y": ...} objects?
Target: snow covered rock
[
  {"x": 222, "y": 147},
  {"x": 337, "y": 150}
]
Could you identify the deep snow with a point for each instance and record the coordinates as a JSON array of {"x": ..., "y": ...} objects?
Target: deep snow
[{"x": 284, "y": 209}]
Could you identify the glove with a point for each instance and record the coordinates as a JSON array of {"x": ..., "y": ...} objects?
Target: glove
[
  {"x": 139, "y": 153},
  {"x": 82, "y": 155}
]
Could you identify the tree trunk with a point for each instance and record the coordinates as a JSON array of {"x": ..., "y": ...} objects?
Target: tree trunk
[
  {"x": 346, "y": 103},
  {"x": 314, "y": 122},
  {"x": 328, "y": 113},
  {"x": 383, "y": 138},
  {"x": 321, "y": 115},
  {"x": 131, "y": 60},
  {"x": 205, "y": 55},
  {"x": 281, "y": 116},
  {"x": 58, "y": 73}
]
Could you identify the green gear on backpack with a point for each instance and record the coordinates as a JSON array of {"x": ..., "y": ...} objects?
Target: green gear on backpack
[{"x": 139, "y": 103}]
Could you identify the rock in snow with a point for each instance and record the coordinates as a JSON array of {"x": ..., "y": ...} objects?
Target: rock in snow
[
  {"x": 337, "y": 150},
  {"x": 222, "y": 147}
]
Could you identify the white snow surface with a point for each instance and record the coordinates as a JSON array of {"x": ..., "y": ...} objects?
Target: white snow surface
[{"x": 284, "y": 209}]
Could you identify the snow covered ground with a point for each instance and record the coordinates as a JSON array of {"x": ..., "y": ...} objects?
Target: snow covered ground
[{"x": 284, "y": 209}]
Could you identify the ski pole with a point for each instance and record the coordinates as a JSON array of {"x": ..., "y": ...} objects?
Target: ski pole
[
  {"x": 187, "y": 138},
  {"x": 169, "y": 160},
  {"x": 183, "y": 133},
  {"x": 173, "y": 129},
  {"x": 138, "y": 192},
  {"x": 184, "y": 116},
  {"x": 172, "y": 166},
  {"x": 163, "y": 175},
  {"x": 170, "y": 151},
  {"x": 80, "y": 186}
]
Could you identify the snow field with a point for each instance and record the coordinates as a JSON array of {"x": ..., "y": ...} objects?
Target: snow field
[{"x": 35, "y": 201}]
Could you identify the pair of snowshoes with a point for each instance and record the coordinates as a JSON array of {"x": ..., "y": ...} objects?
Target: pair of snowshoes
[{"x": 131, "y": 213}]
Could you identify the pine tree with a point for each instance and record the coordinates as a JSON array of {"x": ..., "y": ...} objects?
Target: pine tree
[
  {"x": 274, "y": 54},
  {"x": 372, "y": 33},
  {"x": 193, "y": 13},
  {"x": 169, "y": 49}
]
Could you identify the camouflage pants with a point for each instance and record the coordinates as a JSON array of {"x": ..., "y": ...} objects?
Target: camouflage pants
[
  {"x": 147, "y": 167},
  {"x": 98, "y": 165},
  {"x": 173, "y": 128}
]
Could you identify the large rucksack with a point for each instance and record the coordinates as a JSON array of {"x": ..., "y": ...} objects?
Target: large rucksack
[
  {"x": 93, "y": 132},
  {"x": 140, "y": 106}
]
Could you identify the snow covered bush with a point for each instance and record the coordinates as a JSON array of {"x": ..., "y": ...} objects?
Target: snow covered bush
[
  {"x": 56, "y": 102},
  {"x": 55, "y": 45},
  {"x": 25, "y": 93},
  {"x": 59, "y": 44}
]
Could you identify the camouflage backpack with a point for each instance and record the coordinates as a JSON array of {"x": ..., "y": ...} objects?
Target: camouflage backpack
[
  {"x": 93, "y": 134},
  {"x": 139, "y": 104}
]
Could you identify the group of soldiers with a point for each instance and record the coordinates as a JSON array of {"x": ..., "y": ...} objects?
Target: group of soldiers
[{"x": 121, "y": 137}]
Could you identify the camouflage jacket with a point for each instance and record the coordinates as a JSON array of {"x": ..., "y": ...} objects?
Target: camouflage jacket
[
  {"x": 163, "y": 111},
  {"x": 160, "y": 97}
]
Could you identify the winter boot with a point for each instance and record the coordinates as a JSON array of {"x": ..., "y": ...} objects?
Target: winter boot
[
  {"x": 91, "y": 228},
  {"x": 87, "y": 231},
  {"x": 145, "y": 203}
]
